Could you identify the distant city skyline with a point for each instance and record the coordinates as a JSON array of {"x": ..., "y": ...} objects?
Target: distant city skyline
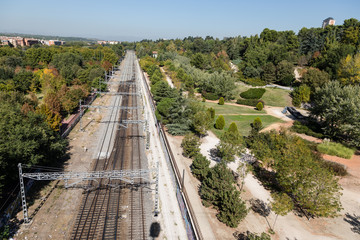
[{"x": 137, "y": 20}]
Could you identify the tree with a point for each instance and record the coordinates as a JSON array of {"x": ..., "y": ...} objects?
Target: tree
[
  {"x": 200, "y": 166},
  {"x": 259, "y": 106},
  {"x": 281, "y": 205},
  {"x": 25, "y": 138},
  {"x": 349, "y": 71},
  {"x": 231, "y": 143},
  {"x": 212, "y": 112},
  {"x": 162, "y": 90},
  {"x": 242, "y": 170},
  {"x": 199, "y": 60},
  {"x": 190, "y": 145},
  {"x": 315, "y": 78},
  {"x": 337, "y": 109},
  {"x": 299, "y": 172},
  {"x": 232, "y": 208},
  {"x": 220, "y": 122},
  {"x": 22, "y": 80},
  {"x": 201, "y": 122},
  {"x": 221, "y": 101},
  {"x": 300, "y": 94},
  {"x": 218, "y": 189},
  {"x": 269, "y": 74},
  {"x": 163, "y": 109},
  {"x": 257, "y": 124},
  {"x": 284, "y": 73}
]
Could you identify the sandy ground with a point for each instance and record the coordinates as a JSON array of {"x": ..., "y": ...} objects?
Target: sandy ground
[
  {"x": 168, "y": 79},
  {"x": 289, "y": 226}
]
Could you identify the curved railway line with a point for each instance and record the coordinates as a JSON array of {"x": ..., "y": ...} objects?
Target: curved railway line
[{"x": 113, "y": 209}]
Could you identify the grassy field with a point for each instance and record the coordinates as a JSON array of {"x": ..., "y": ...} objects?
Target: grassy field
[
  {"x": 243, "y": 122},
  {"x": 335, "y": 149},
  {"x": 242, "y": 116},
  {"x": 275, "y": 97},
  {"x": 231, "y": 109}
]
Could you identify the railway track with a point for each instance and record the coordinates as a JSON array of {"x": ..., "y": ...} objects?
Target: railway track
[{"x": 113, "y": 209}]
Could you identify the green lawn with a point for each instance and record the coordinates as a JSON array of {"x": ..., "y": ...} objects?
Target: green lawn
[
  {"x": 335, "y": 149},
  {"x": 231, "y": 109},
  {"x": 277, "y": 97},
  {"x": 243, "y": 122},
  {"x": 272, "y": 97}
]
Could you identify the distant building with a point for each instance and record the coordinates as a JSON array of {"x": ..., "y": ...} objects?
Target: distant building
[
  {"x": 31, "y": 41},
  {"x": 328, "y": 21},
  {"x": 154, "y": 54},
  {"x": 55, "y": 43}
]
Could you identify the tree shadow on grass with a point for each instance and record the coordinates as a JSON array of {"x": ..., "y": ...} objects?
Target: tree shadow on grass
[{"x": 354, "y": 221}]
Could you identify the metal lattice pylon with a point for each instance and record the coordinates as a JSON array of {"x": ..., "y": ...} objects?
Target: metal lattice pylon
[
  {"x": 23, "y": 196},
  {"x": 127, "y": 176}
]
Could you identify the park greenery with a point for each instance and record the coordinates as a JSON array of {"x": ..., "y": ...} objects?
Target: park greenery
[
  {"x": 298, "y": 172},
  {"x": 39, "y": 87}
]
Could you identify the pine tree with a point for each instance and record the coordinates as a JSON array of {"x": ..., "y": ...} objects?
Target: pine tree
[
  {"x": 232, "y": 208},
  {"x": 200, "y": 166},
  {"x": 212, "y": 112},
  {"x": 190, "y": 145},
  {"x": 220, "y": 122}
]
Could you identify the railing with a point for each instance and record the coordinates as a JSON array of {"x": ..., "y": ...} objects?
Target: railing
[{"x": 191, "y": 224}]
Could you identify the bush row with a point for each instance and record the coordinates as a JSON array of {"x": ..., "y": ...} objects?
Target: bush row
[
  {"x": 300, "y": 128},
  {"x": 210, "y": 96}
]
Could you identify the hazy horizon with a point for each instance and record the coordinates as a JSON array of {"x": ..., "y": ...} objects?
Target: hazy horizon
[{"x": 160, "y": 19}]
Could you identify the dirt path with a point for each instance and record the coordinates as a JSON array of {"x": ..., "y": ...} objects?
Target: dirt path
[
  {"x": 289, "y": 226},
  {"x": 168, "y": 79}
]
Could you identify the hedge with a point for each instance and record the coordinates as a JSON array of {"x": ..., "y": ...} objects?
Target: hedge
[
  {"x": 300, "y": 128},
  {"x": 210, "y": 96},
  {"x": 254, "y": 82},
  {"x": 253, "y": 93}
]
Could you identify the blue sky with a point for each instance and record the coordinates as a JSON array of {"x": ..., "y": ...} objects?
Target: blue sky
[{"x": 153, "y": 19}]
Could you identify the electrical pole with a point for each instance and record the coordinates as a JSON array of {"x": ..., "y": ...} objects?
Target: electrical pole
[{"x": 80, "y": 115}]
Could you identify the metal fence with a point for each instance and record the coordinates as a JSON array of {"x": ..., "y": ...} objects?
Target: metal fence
[{"x": 191, "y": 224}]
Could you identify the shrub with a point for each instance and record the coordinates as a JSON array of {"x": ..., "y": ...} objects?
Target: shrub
[
  {"x": 253, "y": 93},
  {"x": 257, "y": 124},
  {"x": 212, "y": 112},
  {"x": 210, "y": 96},
  {"x": 335, "y": 149},
  {"x": 203, "y": 99},
  {"x": 220, "y": 122},
  {"x": 190, "y": 145},
  {"x": 301, "y": 128},
  {"x": 249, "y": 102},
  {"x": 259, "y": 106},
  {"x": 254, "y": 82},
  {"x": 221, "y": 101},
  {"x": 337, "y": 168}
]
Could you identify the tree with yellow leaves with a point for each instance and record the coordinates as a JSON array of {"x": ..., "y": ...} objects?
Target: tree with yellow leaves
[{"x": 349, "y": 70}]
